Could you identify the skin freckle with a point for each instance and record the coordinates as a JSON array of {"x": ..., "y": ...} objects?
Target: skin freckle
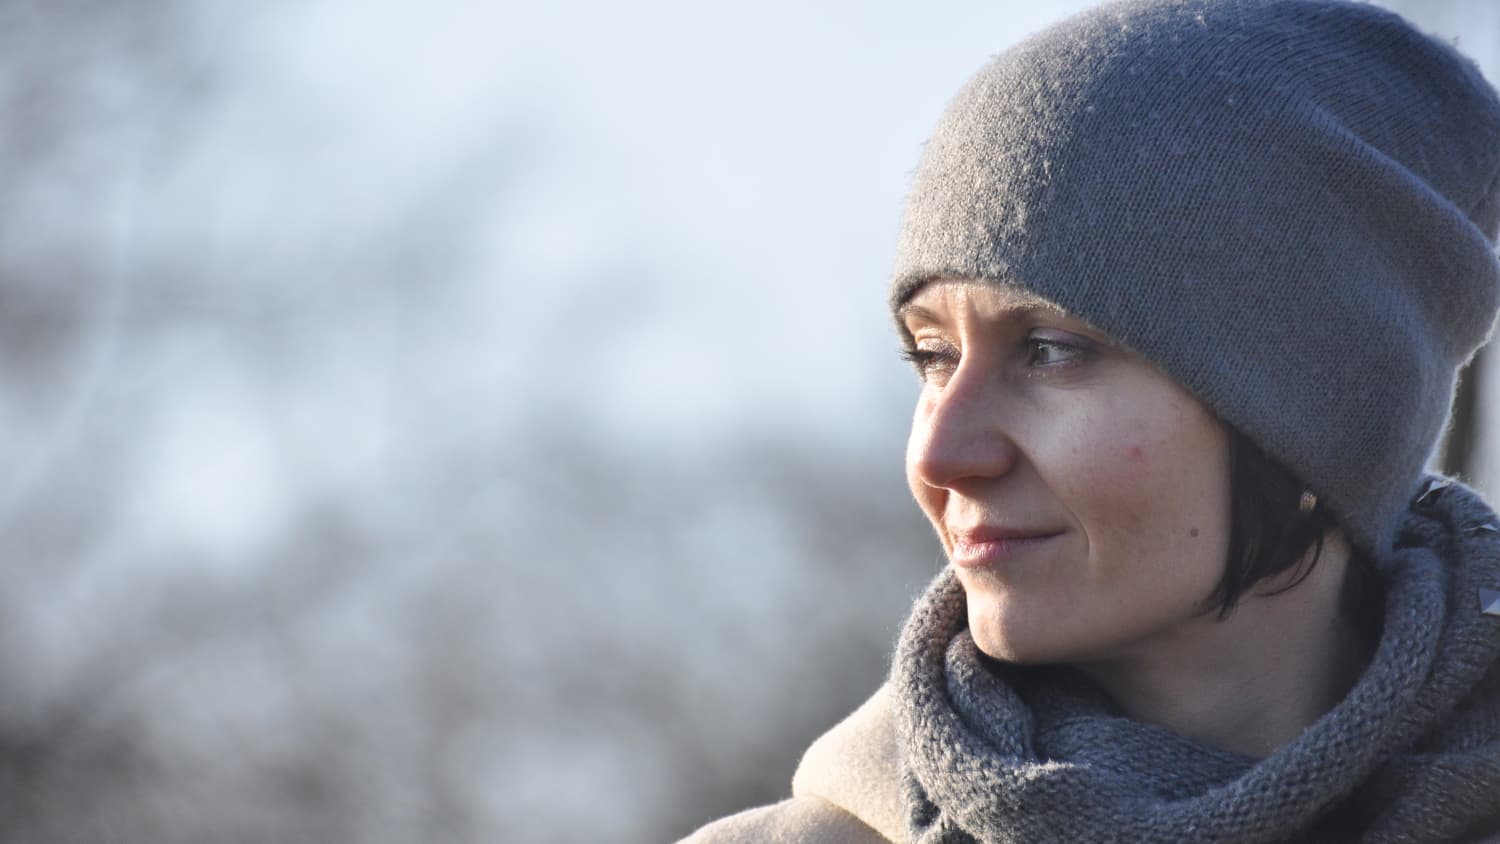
[{"x": 1193, "y": 533}]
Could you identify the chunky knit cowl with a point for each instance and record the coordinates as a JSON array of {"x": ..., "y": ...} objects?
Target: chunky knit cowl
[{"x": 997, "y": 753}]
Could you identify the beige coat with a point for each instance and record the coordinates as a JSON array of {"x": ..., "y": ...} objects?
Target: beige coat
[{"x": 846, "y": 790}]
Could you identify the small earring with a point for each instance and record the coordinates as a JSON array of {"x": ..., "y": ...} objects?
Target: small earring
[{"x": 1308, "y": 503}]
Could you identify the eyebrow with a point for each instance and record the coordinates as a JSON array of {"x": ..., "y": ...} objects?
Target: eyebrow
[
  {"x": 909, "y": 310},
  {"x": 1026, "y": 305}
]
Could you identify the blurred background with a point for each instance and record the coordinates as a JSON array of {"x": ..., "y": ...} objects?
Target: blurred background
[{"x": 457, "y": 421}]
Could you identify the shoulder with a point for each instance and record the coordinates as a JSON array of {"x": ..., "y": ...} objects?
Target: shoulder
[
  {"x": 855, "y": 766},
  {"x": 796, "y": 820},
  {"x": 846, "y": 789}
]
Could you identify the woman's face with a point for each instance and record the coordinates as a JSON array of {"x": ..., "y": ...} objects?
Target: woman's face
[{"x": 1081, "y": 495}]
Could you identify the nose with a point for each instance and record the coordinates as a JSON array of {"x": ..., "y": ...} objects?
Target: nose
[{"x": 960, "y": 434}]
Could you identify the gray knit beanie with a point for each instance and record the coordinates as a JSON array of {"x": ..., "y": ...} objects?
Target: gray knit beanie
[{"x": 1289, "y": 206}]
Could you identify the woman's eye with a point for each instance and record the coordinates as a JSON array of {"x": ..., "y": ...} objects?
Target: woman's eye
[
  {"x": 930, "y": 362},
  {"x": 1047, "y": 351}
]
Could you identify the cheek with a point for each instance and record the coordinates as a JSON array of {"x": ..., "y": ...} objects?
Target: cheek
[
  {"x": 927, "y": 497},
  {"x": 1153, "y": 489}
]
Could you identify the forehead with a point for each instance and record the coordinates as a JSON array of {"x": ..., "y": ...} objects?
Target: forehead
[{"x": 933, "y": 300}]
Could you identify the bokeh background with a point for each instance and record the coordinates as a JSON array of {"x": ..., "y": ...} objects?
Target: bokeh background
[{"x": 457, "y": 421}]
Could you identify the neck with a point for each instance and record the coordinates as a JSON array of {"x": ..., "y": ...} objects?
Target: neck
[{"x": 1253, "y": 681}]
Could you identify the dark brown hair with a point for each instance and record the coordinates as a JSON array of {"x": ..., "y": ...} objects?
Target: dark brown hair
[{"x": 1270, "y": 533}]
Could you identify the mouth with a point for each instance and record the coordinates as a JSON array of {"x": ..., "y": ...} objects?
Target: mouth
[{"x": 987, "y": 547}]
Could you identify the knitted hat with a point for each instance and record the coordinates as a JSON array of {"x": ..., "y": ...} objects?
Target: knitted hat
[{"x": 1289, "y": 206}]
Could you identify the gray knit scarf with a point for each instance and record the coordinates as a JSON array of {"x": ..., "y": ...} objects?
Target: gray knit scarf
[{"x": 997, "y": 753}]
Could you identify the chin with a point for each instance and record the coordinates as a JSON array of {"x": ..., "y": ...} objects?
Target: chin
[{"x": 1003, "y": 636}]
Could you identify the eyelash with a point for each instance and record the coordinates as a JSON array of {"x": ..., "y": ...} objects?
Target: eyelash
[
  {"x": 1073, "y": 351},
  {"x": 918, "y": 357},
  {"x": 924, "y": 360}
]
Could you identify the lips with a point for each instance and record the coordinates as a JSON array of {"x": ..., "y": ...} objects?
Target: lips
[{"x": 985, "y": 547}]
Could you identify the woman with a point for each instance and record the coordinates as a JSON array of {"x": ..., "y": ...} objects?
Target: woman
[{"x": 1187, "y": 284}]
